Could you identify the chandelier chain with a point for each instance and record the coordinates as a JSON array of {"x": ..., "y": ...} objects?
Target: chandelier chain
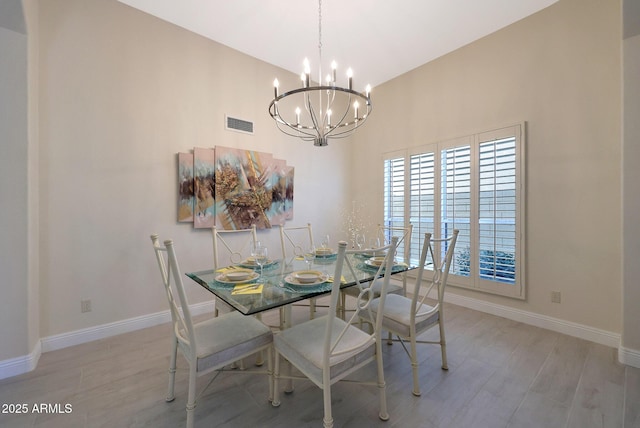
[{"x": 320, "y": 30}]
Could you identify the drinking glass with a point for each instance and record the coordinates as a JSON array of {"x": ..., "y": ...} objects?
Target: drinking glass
[
  {"x": 360, "y": 241},
  {"x": 325, "y": 241},
  {"x": 260, "y": 255},
  {"x": 309, "y": 255}
]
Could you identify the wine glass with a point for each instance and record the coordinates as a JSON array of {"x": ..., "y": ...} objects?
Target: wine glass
[
  {"x": 309, "y": 255},
  {"x": 260, "y": 256},
  {"x": 325, "y": 242},
  {"x": 360, "y": 240}
]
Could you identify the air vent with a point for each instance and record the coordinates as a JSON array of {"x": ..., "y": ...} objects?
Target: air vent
[{"x": 239, "y": 125}]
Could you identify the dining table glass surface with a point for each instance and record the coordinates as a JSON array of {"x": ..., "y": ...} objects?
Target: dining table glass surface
[{"x": 285, "y": 281}]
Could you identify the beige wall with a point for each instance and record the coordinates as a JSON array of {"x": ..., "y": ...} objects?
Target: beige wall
[
  {"x": 631, "y": 186},
  {"x": 121, "y": 93},
  {"x": 14, "y": 322},
  {"x": 560, "y": 71}
]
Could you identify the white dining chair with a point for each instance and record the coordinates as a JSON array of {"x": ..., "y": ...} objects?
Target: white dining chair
[
  {"x": 328, "y": 349},
  {"x": 384, "y": 235},
  {"x": 409, "y": 317},
  {"x": 294, "y": 242},
  {"x": 207, "y": 345},
  {"x": 231, "y": 247}
]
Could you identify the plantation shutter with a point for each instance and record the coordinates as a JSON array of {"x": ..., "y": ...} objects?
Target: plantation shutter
[
  {"x": 497, "y": 210},
  {"x": 456, "y": 204},
  {"x": 421, "y": 199},
  {"x": 394, "y": 192}
]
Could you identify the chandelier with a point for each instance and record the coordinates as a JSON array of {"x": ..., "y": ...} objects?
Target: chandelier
[{"x": 328, "y": 110}]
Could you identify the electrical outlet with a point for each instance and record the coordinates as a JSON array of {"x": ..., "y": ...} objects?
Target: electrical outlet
[
  {"x": 85, "y": 306},
  {"x": 556, "y": 297}
]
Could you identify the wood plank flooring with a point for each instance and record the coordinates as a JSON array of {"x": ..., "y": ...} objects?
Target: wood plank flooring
[{"x": 501, "y": 374}]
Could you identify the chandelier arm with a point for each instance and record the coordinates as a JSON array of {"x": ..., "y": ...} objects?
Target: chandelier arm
[
  {"x": 346, "y": 132},
  {"x": 314, "y": 119},
  {"x": 349, "y": 128},
  {"x": 346, "y": 111},
  {"x": 303, "y": 136},
  {"x": 293, "y": 130},
  {"x": 280, "y": 121}
]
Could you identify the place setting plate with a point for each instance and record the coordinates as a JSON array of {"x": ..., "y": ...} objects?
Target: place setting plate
[
  {"x": 306, "y": 278},
  {"x": 325, "y": 253},
  {"x": 375, "y": 262},
  {"x": 236, "y": 276}
]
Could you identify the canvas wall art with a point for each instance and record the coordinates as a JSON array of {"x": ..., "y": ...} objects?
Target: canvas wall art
[
  {"x": 235, "y": 189},
  {"x": 204, "y": 179},
  {"x": 186, "y": 196}
]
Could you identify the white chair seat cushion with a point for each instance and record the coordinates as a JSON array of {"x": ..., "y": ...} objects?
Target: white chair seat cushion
[
  {"x": 376, "y": 288},
  {"x": 397, "y": 315},
  {"x": 228, "y": 338},
  {"x": 303, "y": 345}
]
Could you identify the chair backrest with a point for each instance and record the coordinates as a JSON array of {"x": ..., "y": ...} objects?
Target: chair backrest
[
  {"x": 236, "y": 244},
  {"x": 404, "y": 238},
  {"x": 172, "y": 280},
  {"x": 441, "y": 267},
  {"x": 334, "y": 346},
  {"x": 295, "y": 240}
]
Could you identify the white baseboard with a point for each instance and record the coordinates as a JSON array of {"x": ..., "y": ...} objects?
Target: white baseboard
[
  {"x": 19, "y": 365},
  {"x": 630, "y": 357},
  {"x": 90, "y": 334},
  {"x": 581, "y": 331},
  {"x": 26, "y": 363}
]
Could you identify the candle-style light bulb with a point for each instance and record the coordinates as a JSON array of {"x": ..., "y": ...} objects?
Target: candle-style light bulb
[
  {"x": 328, "y": 79},
  {"x": 307, "y": 71},
  {"x": 368, "y": 90},
  {"x": 350, "y": 76},
  {"x": 355, "y": 109},
  {"x": 298, "y": 116},
  {"x": 329, "y": 117},
  {"x": 275, "y": 88},
  {"x": 303, "y": 77},
  {"x": 334, "y": 67}
]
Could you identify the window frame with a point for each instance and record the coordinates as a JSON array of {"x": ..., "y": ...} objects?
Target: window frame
[{"x": 473, "y": 281}]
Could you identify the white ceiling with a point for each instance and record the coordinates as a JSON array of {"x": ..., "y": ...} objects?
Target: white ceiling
[{"x": 378, "y": 39}]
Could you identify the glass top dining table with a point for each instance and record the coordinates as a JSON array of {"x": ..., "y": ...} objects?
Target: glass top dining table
[{"x": 278, "y": 286}]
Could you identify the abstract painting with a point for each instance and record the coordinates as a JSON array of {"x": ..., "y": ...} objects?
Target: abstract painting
[
  {"x": 249, "y": 190},
  {"x": 203, "y": 188},
  {"x": 235, "y": 189},
  {"x": 185, "y": 187}
]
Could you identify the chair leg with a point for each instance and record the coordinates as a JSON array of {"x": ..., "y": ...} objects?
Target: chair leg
[
  {"x": 312, "y": 308},
  {"x": 443, "y": 346},
  {"x": 260, "y": 356},
  {"x": 172, "y": 370},
  {"x": 390, "y": 339},
  {"x": 414, "y": 366},
  {"x": 191, "y": 398},
  {"x": 382, "y": 386},
  {"x": 275, "y": 402},
  {"x": 327, "y": 422},
  {"x": 270, "y": 373}
]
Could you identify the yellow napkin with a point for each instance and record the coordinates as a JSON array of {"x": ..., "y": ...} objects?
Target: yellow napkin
[
  {"x": 247, "y": 289},
  {"x": 342, "y": 279},
  {"x": 226, "y": 269}
]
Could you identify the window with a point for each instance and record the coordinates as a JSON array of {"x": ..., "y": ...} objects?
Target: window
[{"x": 473, "y": 184}]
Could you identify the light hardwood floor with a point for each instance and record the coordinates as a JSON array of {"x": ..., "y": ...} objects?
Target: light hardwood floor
[{"x": 501, "y": 374}]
